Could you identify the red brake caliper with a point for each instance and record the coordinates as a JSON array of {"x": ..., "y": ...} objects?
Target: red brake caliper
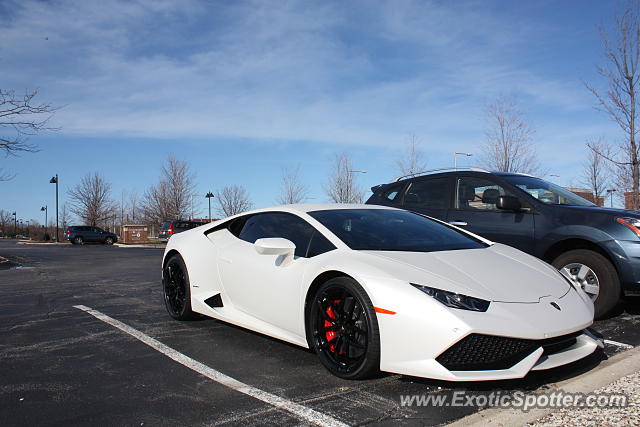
[{"x": 330, "y": 335}]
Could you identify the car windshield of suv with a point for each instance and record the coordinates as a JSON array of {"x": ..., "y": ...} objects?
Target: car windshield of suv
[
  {"x": 393, "y": 230},
  {"x": 547, "y": 192}
]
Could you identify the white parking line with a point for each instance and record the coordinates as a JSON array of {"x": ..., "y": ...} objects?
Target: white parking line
[
  {"x": 618, "y": 344},
  {"x": 300, "y": 411}
]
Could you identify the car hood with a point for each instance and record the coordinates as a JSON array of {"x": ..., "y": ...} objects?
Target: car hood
[{"x": 496, "y": 273}]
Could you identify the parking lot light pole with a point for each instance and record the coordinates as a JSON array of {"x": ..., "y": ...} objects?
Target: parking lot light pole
[
  {"x": 455, "y": 158},
  {"x": 209, "y": 195},
  {"x": 45, "y": 208},
  {"x": 15, "y": 224},
  {"x": 610, "y": 192},
  {"x": 54, "y": 180}
]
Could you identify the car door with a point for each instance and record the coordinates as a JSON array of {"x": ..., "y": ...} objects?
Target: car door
[
  {"x": 260, "y": 284},
  {"x": 429, "y": 196},
  {"x": 98, "y": 234},
  {"x": 475, "y": 210}
]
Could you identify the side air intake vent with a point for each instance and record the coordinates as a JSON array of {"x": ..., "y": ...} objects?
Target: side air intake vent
[{"x": 214, "y": 301}]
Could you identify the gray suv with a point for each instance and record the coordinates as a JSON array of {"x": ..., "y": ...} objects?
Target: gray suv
[
  {"x": 598, "y": 248},
  {"x": 79, "y": 234}
]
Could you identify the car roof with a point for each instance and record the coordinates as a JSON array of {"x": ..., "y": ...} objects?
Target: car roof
[{"x": 303, "y": 208}]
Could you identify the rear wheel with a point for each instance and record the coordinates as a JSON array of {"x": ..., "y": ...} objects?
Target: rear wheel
[
  {"x": 177, "y": 292},
  {"x": 78, "y": 240},
  {"x": 344, "y": 329},
  {"x": 594, "y": 274}
]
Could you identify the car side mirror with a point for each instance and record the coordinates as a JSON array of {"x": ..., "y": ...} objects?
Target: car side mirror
[
  {"x": 509, "y": 203},
  {"x": 274, "y": 246}
]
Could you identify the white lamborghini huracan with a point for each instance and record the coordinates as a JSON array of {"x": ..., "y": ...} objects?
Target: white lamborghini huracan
[{"x": 374, "y": 288}]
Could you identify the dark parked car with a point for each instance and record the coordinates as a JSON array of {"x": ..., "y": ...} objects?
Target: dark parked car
[
  {"x": 79, "y": 234},
  {"x": 171, "y": 227},
  {"x": 599, "y": 248}
]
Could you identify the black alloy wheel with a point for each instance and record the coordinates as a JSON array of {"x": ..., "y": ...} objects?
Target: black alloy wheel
[
  {"x": 108, "y": 241},
  {"x": 177, "y": 295},
  {"x": 78, "y": 240},
  {"x": 344, "y": 329}
]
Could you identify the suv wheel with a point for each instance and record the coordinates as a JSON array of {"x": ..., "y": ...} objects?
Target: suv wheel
[
  {"x": 108, "y": 241},
  {"x": 594, "y": 274},
  {"x": 78, "y": 240}
]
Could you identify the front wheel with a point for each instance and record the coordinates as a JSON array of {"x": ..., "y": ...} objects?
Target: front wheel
[
  {"x": 596, "y": 276},
  {"x": 177, "y": 292},
  {"x": 344, "y": 329},
  {"x": 108, "y": 241}
]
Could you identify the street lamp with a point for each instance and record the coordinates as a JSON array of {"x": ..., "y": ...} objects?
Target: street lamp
[
  {"x": 46, "y": 211},
  {"x": 455, "y": 158},
  {"x": 15, "y": 224},
  {"x": 54, "y": 180},
  {"x": 610, "y": 192},
  {"x": 209, "y": 195}
]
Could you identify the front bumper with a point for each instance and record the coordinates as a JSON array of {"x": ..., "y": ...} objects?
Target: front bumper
[{"x": 434, "y": 329}]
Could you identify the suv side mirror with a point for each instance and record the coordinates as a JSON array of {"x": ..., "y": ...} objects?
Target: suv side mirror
[{"x": 509, "y": 203}]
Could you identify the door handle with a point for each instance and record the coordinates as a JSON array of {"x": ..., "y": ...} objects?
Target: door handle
[
  {"x": 458, "y": 223},
  {"x": 227, "y": 260}
]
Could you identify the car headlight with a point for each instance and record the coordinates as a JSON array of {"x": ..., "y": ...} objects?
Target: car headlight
[
  {"x": 453, "y": 300},
  {"x": 632, "y": 223}
]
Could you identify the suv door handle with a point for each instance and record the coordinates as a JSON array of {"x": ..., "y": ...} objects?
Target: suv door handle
[{"x": 458, "y": 223}]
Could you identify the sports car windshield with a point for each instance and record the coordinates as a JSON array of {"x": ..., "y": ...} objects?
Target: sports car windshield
[
  {"x": 392, "y": 230},
  {"x": 546, "y": 192}
]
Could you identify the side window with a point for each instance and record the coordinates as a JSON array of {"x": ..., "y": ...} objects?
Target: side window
[
  {"x": 477, "y": 194},
  {"x": 319, "y": 245},
  {"x": 392, "y": 193},
  {"x": 427, "y": 194},
  {"x": 277, "y": 224}
]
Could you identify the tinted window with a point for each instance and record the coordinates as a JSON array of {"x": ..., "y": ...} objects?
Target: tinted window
[
  {"x": 277, "y": 224},
  {"x": 547, "y": 192},
  {"x": 319, "y": 245},
  {"x": 392, "y": 193},
  {"x": 392, "y": 230},
  {"x": 165, "y": 225},
  {"x": 477, "y": 194},
  {"x": 427, "y": 194}
]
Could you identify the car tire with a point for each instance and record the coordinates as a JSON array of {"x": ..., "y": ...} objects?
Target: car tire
[
  {"x": 588, "y": 269},
  {"x": 344, "y": 330},
  {"x": 176, "y": 289},
  {"x": 78, "y": 240},
  {"x": 109, "y": 241}
]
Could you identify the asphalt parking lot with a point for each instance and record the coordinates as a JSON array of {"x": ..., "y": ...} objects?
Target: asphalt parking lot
[{"x": 60, "y": 365}]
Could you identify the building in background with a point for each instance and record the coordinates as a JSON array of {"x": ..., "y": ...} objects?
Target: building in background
[{"x": 585, "y": 193}]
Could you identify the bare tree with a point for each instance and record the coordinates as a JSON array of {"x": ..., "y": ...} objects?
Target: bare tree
[
  {"x": 412, "y": 159},
  {"x": 595, "y": 172},
  {"x": 342, "y": 186},
  {"x": 171, "y": 197},
  {"x": 65, "y": 217},
  {"x": 509, "y": 143},
  {"x": 232, "y": 200},
  {"x": 6, "y": 218},
  {"x": 292, "y": 190},
  {"x": 21, "y": 117},
  {"x": 619, "y": 99},
  {"x": 132, "y": 202},
  {"x": 91, "y": 200}
]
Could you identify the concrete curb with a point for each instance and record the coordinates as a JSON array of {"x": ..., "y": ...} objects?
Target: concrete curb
[
  {"x": 27, "y": 242},
  {"x": 150, "y": 245},
  {"x": 610, "y": 370}
]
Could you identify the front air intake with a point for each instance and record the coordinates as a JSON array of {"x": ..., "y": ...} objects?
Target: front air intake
[{"x": 477, "y": 352}]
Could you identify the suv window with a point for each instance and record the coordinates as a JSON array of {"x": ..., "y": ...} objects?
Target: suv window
[
  {"x": 427, "y": 194},
  {"x": 280, "y": 224},
  {"x": 392, "y": 193},
  {"x": 477, "y": 194}
]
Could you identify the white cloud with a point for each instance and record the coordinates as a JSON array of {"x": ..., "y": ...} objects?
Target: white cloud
[{"x": 358, "y": 73}]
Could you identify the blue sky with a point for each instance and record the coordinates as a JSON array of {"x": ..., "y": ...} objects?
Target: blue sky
[{"x": 242, "y": 89}]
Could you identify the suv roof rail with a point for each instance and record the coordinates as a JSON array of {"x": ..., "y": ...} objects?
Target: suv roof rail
[{"x": 429, "y": 171}]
